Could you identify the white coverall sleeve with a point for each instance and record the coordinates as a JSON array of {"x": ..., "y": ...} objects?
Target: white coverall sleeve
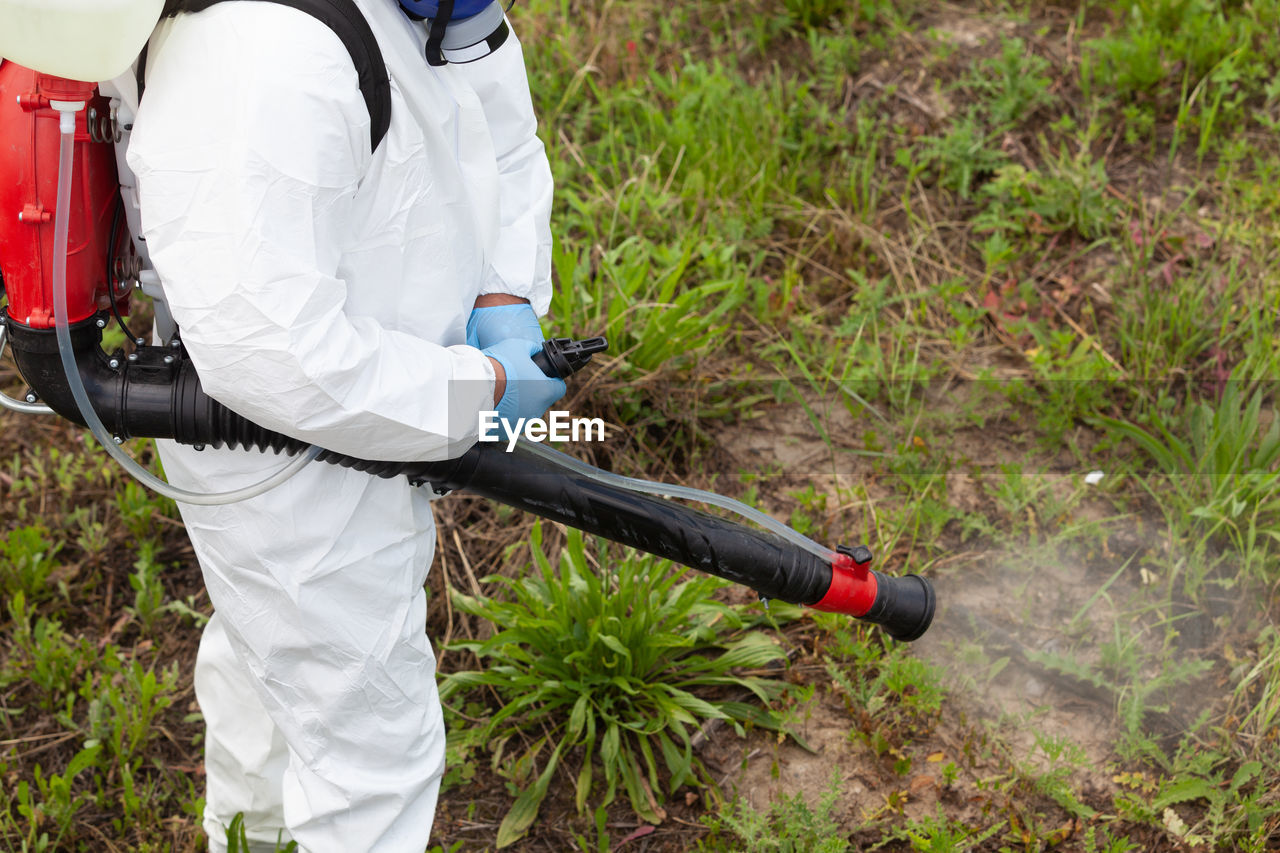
[
  {"x": 247, "y": 175},
  {"x": 521, "y": 265}
]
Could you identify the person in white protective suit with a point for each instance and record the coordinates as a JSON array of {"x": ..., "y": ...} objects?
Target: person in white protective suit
[{"x": 369, "y": 302}]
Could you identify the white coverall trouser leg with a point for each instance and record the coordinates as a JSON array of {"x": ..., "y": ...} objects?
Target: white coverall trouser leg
[
  {"x": 315, "y": 676},
  {"x": 323, "y": 290}
]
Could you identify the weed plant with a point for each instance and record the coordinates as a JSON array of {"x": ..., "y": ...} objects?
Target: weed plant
[
  {"x": 789, "y": 825},
  {"x": 938, "y": 833},
  {"x": 1220, "y": 467},
  {"x": 615, "y": 659},
  {"x": 104, "y": 705}
]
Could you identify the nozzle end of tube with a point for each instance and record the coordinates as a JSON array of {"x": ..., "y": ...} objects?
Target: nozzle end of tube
[{"x": 904, "y": 606}]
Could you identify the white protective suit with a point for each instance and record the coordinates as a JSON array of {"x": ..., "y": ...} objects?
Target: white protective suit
[{"x": 323, "y": 291}]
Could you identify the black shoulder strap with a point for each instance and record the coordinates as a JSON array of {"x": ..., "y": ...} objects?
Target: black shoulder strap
[{"x": 349, "y": 24}]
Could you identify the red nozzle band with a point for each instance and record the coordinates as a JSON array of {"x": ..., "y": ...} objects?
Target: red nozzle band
[{"x": 853, "y": 587}]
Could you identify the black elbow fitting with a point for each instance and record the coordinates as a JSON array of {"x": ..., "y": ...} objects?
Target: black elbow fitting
[{"x": 153, "y": 392}]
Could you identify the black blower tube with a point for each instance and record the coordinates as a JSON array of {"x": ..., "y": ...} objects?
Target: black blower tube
[{"x": 155, "y": 393}]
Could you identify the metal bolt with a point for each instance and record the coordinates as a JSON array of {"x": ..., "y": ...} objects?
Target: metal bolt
[
  {"x": 175, "y": 343},
  {"x": 114, "y": 364},
  {"x": 198, "y": 446},
  {"x": 117, "y": 439},
  {"x": 140, "y": 342},
  {"x": 31, "y": 397},
  {"x": 168, "y": 359},
  {"x": 133, "y": 356},
  {"x": 100, "y": 323}
]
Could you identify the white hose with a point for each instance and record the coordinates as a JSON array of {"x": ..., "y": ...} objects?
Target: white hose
[
  {"x": 67, "y": 126},
  {"x": 667, "y": 490}
]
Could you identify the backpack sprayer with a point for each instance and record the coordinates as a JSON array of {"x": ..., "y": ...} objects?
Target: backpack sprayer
[{"x": 64, "y": 251}]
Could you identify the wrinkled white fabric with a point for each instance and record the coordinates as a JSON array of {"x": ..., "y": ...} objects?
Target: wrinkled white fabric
[
  {"x": 315, "y": 676},
  {"x": 323, "y": 291}
]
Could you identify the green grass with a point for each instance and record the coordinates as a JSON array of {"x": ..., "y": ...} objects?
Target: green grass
[
  {"x": 790, "y": 825},
  {"x": 946, "y": 261}
]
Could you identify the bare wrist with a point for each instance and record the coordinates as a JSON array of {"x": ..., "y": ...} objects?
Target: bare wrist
[
  {"x": 488, "y": 300},
  {"x": 499, "y": 380}
]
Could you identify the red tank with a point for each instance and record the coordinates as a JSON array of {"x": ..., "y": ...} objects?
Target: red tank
[{"x": 28, "y": 192}]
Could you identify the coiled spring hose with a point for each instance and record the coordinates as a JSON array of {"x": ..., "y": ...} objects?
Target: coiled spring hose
[{"x": 61, "y": 227}]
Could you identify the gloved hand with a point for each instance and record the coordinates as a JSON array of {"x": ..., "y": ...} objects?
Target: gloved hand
[
  {"x": 529, "y": 392},
  {"x": 494, "y": 324}
]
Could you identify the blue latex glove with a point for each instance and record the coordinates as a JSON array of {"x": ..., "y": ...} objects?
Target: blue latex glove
[
  {"x": 496, "y": 323},
  {"x": 529, "y": 392}
]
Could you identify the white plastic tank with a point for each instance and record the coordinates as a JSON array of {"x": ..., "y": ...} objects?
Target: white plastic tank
[{"x": 88, "y": 40}]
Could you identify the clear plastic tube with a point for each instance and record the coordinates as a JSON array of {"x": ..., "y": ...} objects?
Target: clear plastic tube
[
  {"x": 60, "y": 238},
  {"x": 667, "y": 490}
]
